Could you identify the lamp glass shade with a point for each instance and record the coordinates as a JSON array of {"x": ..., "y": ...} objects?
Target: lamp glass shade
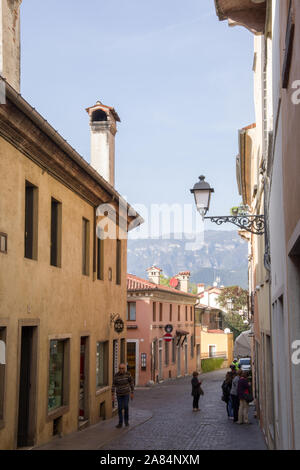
[
  {"x": 202, "y": 192},
  {"x": 202, "y": 199}
]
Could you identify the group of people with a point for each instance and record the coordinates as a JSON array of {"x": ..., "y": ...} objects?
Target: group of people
[{"x": 237, "y": 395}]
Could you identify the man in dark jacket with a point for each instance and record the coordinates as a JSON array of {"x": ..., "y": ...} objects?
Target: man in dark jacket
[
  {"x": 196, "y": 391},
  {"x": 123, "y": 385}
]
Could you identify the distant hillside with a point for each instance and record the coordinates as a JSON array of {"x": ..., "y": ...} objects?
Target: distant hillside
[{"x": 224, "y": 254}]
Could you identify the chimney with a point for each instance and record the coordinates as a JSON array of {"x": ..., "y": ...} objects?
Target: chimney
[
  {"x": 154, "y": 274},
  {"x": 184, "y": 280},
  {"x": 200, "y": 288},
  {"x": 10, "y": 42},
  {"x": 103, "y": 123}
]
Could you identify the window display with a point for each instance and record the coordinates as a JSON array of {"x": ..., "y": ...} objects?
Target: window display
[{"x": 56, "y": 366}]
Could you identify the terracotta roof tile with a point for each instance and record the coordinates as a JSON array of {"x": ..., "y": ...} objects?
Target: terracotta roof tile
[{"x": 137, "y": 283}]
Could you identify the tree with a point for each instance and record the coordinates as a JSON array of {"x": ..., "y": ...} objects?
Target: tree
[{"x": 232, "y": 300}]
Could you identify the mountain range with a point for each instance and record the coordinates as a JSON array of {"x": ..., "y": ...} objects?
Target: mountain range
[{"x": 221, "y": 257}]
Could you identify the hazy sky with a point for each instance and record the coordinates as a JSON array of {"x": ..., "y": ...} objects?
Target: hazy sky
[{"x": 180, "y": 80}]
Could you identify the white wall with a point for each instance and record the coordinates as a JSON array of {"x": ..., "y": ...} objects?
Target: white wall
[{"x": 279, "y": 326}]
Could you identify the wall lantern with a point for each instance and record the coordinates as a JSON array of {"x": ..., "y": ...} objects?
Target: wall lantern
[
  {"x": 202, "y": 193},
  {"x": 250, "y": 223}
]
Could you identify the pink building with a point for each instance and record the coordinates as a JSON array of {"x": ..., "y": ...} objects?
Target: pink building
[{"x": 152, "y": 311}]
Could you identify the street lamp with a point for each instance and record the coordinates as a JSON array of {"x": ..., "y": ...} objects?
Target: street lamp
[
  {"x": 251, "y": 223},
  {"x": 202, "y": 192}
]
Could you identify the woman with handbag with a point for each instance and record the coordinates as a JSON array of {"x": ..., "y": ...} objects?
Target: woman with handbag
[
  {"x": 196, "y": 391},
  {"x": 244, "y": 394},
  {"x": 226, "y": 387}
]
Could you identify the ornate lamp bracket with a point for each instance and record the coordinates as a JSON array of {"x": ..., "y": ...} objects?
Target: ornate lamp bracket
[{"x": 251, "y": 223}]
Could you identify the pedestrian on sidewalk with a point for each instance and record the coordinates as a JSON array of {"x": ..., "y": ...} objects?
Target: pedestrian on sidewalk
[
  {"x": 243, "y": 391},
  {"x": 226, "y": 388},
  {"x": 123, "y": 386},
  {"x": 196, "y": 391},
  {"x": 234, "y": 394}
]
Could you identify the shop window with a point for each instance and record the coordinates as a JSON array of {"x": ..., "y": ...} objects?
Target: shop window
[
  {"x": 173, "y": 350},
  {"x": 166, "y": 353},
  {"x": 2, "y": 369},
  {"x": 122, "y": 351},
  {"x": 192, "y": 346},
  {"x": 58, "y": 374},
  {"x": 102, "y": 364}
]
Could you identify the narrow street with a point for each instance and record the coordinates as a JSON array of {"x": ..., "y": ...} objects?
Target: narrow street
[{"x": 175, "y": 426}]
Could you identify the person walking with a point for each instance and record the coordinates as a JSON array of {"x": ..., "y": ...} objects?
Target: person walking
[
  {"x": 196, "y": 391},
  {"x": 234, "y": 395},
  {"x": 123, "y": 386},
  {"x": 226, "y": 388},
  {"x": 243, "y": 389}
]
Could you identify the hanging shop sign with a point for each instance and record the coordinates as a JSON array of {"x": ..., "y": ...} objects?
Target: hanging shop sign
[{"x": 119, "y": 325}]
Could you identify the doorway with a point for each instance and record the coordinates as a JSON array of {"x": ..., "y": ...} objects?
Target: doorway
[
  {"x": 131, "y": 359},
  {"x": 185, "y": 357},
  {"x": 84, "y": 382},
  {"x": 198, "y": 358},
  {"x": 179, "y": 360},
  {"x": 27, "y": 387},
  {"x": 160, "y": 359}
]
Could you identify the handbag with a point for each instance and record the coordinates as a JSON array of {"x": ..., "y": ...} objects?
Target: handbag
[
  {"x": 201, "y": 390},
  {"x": 248, "y": 397}
]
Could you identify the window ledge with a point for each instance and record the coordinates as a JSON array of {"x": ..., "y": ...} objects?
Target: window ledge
[
  {"x": 104, "y": 389},
  {"x": 57, "y": 413}
]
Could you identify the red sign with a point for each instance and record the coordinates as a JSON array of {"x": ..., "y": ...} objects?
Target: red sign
[
  {"x": 174, "y": 282},
  {"x": 168, "y": 337}
]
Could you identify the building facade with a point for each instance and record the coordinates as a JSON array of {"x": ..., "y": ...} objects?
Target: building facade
[
  {"x": 62, "y": 282},
  {"x": 210, "y": 329},
  {"x": 151, "y": 308},
  {"x": 269, "y": 182}
]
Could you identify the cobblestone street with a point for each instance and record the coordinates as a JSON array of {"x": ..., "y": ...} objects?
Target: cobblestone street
[{"x": 175, "y": 426}]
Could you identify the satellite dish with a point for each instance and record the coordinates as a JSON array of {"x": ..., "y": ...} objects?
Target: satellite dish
[
  {"x": 174, "y": 282},
  {"x": 227, "y": 331}
]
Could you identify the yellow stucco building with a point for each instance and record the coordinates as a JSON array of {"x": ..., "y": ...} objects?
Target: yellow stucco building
[
  {"x": 63, "y": 249},
  {"x": 61, "y": 287}
]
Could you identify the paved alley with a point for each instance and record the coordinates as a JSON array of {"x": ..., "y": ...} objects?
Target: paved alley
[{"x": 175, "y": 426}]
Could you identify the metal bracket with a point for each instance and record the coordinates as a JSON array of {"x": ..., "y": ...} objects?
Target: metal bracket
[{"x": 251, "y": 223}]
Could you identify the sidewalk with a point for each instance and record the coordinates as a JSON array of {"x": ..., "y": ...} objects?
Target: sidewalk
[{"x": 99, "y": 435}]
